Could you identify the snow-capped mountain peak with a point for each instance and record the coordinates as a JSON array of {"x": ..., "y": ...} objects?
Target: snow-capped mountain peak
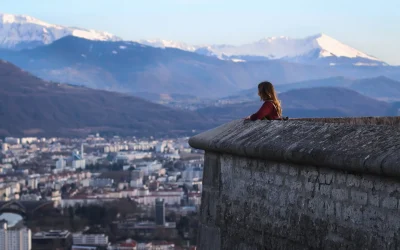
[
  {"x": 336, "y": 48},
  {"x": 21, "y": 31}
]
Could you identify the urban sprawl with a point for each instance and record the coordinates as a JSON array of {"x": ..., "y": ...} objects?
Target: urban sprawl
[{"x": 121, "y": 193}]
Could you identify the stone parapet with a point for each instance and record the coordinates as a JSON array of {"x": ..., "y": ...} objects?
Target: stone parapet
[{"x": 300, "y": 185}]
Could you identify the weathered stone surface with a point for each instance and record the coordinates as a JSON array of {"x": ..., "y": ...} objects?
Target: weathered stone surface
[
  {"x": 300, "y": 185},
  {"x": 359, "y": 148},
  {"x": 307, "y": 211}
]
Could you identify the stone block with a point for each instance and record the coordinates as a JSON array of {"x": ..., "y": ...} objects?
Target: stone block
[
  {"x": 309, "y": 173},
  {"x": 278, "y": 180},
  {"x": 329, "y": 206},
  {"x": 292, "y": 197},
  {"x": 389, "y": 203},
  {"x": 283, "y": 168},
  {"x": 340, "y": 177},
  {"x": 338, "y": 210},
  {"x": 373, "y": 199},
  {"x": 373, "y": 217},
  {"x": 340, "y": 194},
  {"x": 209, "y": 238},
  {"x": 309, "y": 186},
  {"x": 293, "y": 170},
  {"x": 353, "y": 181},
  {"x": 269, "y": 178},
  {"x": 273, "y": 195},
  {"x": 283, "y": 199},
  {"x": 325, "y": 190},
  {"x": 367, "y": 182},
  {"x": 295, "y": 185},
  {"x": 394, "y": 221},
  {"x": 379, "y": 186},
  {"x": 326, "y": 177},
  {"x": 359, "y": 197},
  {"x": 316, "y": 206},
  {"x": 353, "y": 214},
  {"x": 273, "y": 168}
]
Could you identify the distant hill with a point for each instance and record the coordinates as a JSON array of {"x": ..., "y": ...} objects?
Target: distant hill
[
  {"x": 311, "y": 102},
  {"x": 31, "y": 106},
  {"x": 381, "y": 87},
  {"x": 132, "y": 68},
  {"x": 378, "y": 87}
]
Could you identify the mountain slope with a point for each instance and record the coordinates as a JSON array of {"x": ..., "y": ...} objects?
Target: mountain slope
[
  {"x": 311, "y": 102},
  {"x": 29, "y": 105},
  {"x": 20, "y": 31}
]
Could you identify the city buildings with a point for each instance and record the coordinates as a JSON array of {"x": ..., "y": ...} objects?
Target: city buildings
[
  {"x": 150, "y": 173},
  {"x": 14, "y": 238},
  {"x": 90, "y": 239},
  {"x": 53, "y": 239}
]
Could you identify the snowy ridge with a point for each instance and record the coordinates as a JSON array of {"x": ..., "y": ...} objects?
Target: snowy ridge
[
  {"x": 308, "y": 49},
  {"x": 285, "y": 47},
  {"x": 160, "y": 43},
  {"x": 20, "y": 31}
]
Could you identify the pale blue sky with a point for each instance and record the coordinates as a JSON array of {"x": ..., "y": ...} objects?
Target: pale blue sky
[{"x": 368, "y": 25}]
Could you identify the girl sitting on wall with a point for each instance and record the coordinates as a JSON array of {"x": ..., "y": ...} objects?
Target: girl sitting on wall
[{"x": 271, "y": 108}]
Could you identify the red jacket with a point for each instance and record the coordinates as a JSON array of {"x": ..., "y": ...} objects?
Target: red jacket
[{"x": 267, "y": 111}]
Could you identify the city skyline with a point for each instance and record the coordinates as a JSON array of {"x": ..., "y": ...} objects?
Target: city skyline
[{"x": 366, "y": 25}]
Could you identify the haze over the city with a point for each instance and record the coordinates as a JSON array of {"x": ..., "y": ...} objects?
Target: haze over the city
[{"x": 369, "y": 26}]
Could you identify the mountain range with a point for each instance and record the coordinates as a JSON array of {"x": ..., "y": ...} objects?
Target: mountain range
[
  {"x": 317, "y": 49},
  {"x": 100, "y": 60},
  {"x": 31, "y": 106},
  {"x": 21, "y": 31},
  {"x": 131, "y": 67}
]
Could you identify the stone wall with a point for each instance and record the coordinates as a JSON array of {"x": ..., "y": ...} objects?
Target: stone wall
[{"x": 289, "y": 185}]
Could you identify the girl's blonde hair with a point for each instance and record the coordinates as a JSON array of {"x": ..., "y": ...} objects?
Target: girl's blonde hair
[{"x": 267, "y": 92}]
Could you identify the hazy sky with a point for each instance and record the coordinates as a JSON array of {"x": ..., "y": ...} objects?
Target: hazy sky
[{"x": 368, "y": 25}]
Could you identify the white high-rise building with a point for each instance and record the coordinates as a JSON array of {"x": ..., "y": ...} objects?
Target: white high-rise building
[
  {"x": 79, "y": 164},
  {"x": 12, "y": 140},
  {"x": 4, "y": 147},
  {"x": 60, "y": 164},
  {"x": 28, "y": 140},
  {"x": 14, "y": 239}
]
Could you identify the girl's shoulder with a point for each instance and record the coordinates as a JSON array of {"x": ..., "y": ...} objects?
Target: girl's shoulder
[{"x": 268, "y": 102}]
